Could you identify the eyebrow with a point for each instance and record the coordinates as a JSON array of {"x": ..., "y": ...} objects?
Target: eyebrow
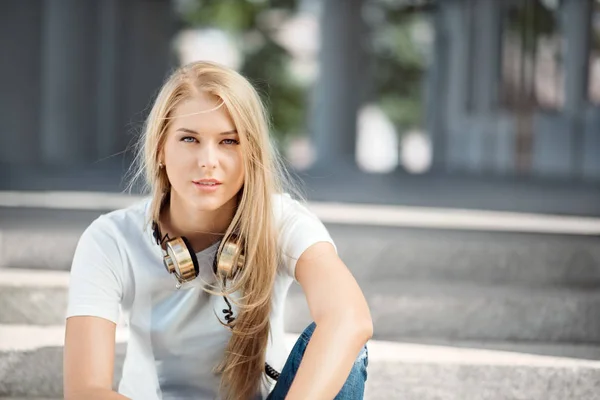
[{"x": 186, "y": 130}]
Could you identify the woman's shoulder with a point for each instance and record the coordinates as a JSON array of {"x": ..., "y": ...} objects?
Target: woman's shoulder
[
  {"x": 294, "y": 214},
  {"x": 283, "y": 201},
  {"x": 298, "y": 229},
  {"x": 286, "y": 205}
]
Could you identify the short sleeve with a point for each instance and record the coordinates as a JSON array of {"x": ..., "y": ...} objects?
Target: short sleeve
[
  {"x": 298, "y": 229},
  {"x": 95, "y": 287}
]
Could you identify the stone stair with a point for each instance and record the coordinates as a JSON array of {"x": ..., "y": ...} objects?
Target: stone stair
[
  {"x": 458, "y": 313},
  {"x": 396, "y": 370},
  {"x": 401, "y": 310}
]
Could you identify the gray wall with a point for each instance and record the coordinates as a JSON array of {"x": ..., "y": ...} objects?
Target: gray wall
[{"x": 78, "y": 76}]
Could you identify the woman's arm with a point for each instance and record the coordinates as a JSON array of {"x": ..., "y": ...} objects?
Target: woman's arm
[
  {"x": 95, "y": 293},
  {"x": 89, "y": 357},
  {"x": 343, "y": 323}
]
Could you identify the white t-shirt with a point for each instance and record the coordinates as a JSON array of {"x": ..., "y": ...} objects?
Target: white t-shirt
[{"x": 175, "y": 339}]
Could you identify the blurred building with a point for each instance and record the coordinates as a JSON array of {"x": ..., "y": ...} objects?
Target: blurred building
[
  {"x": 513, "y": 88},
  {"x": 76, "y": 76}
]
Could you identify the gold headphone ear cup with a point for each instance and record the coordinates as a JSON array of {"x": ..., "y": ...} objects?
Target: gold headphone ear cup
[
  {"x": 181, "y": 259},
  {"x": 230, "y": 260}
]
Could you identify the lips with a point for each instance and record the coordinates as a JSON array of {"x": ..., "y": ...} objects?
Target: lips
[
  {"x": 207, "y": 185},
  {"x": 207, "y": 182}
]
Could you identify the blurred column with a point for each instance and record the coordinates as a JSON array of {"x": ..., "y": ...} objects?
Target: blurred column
[
  {"x": 20, "y": 45},
  {"x": 437, "y": 81},
  {"x": 493, "y": 128},
  {"x": 582, "y": 117},
  {"x": 147, "y": 57},
  {"x": 468, "y": 68},
  {"x": 69, "y": 94},
  {"x": 341, "y": 85},
  {"x": 456, "y": 22},
  {"x": 135, "y": 56},
  {"x": 487, "y": 37},
  {"x": 109, "y": 134},
  {"x": 576, "y": 24},
  {"x": 558, "y": 145},
  {"x": 455, "y": 19}
]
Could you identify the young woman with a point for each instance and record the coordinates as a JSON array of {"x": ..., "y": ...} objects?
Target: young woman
[{"x": 201, "y": 268}]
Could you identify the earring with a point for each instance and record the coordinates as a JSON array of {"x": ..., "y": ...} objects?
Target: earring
[{"x": 161, "y": 165}]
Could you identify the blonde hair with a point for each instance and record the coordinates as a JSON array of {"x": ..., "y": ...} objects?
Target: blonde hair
[{"x": 243, "y": 363}]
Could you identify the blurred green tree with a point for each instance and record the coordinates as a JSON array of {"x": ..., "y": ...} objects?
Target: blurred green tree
[
  {"x": 399, "y": 63},
  {"x": 253, "y": 24},
  {"x": 399, "y": 67}
]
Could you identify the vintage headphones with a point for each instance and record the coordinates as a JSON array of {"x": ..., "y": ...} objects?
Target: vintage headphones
[{"x": 180, "y": 259}]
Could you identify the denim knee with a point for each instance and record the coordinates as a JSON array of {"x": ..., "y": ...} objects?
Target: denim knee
[
  {"x": 361, "y": 362},
  {"x": 353, "y": 388},
  {"x": 308, "y": 331}
]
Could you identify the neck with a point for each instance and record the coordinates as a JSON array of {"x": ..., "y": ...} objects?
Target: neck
[{"x": 202, "y": 228}]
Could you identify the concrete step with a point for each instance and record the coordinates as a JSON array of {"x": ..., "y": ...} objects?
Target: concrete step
[
  {"x": 30, "y": 369},
  {"x": 377, "y": 253},
  {"x": 41, "y": 238},
  {"x": 46, "y": 239},
  {"x": 30, "y": 398},
  {"x": 400, "y": 310},
  {"x": 33, "y": 297},
  {"x": 31, "y": 360},
  {"x": 413, "y": 310}
]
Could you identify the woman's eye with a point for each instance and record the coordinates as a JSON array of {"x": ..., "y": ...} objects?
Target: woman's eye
[
  {"x": 188, "y": 139},
  {"x": 231, "y": 141}
]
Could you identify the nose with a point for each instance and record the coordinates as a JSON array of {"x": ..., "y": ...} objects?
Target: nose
[{"x": 208, "y": 157}]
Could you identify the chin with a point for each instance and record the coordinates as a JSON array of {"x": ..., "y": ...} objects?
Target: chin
[
  {"x": 210, "y": 203},
  {"x": 207, "y": 204}
]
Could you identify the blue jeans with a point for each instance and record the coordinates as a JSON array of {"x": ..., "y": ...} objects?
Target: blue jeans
[{"x": 353, "y": 388}]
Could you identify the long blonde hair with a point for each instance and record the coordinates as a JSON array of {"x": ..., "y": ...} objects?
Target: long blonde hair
[{"x": 243, "y": 362}]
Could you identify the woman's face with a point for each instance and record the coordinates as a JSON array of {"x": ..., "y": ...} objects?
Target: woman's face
[{"x": 202, "y": 154}]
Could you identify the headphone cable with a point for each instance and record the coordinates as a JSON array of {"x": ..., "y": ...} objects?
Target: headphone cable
[{"x": 228, "y": 312}]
